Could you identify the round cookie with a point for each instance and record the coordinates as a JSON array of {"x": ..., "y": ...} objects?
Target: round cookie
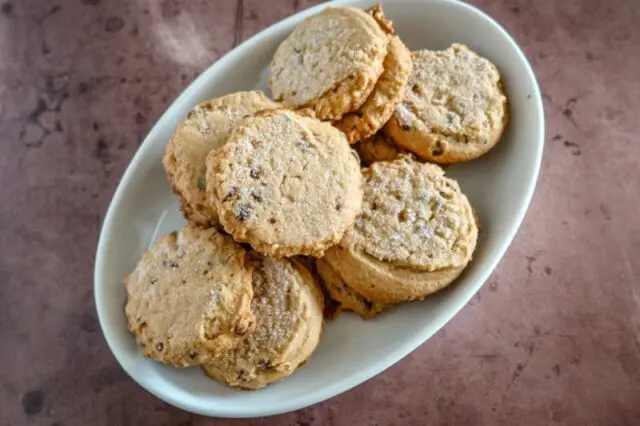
[
  {"x": 378, "y": 147},
  {"x": 330, "y": 62},
  {"x": 415, "y": 235},
  {"x": 454, "y": 108},
  {"x": 189, "y": 297},
  {"x": 387, "y": 92},
  {"x": 288, "y": 306},
  {"x": 286, "y": 184},
  {"x": 346, "y": 296},
  {"x": 206, "y": 128}
]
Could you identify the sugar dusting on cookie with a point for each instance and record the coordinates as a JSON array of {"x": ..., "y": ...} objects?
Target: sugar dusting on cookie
[{"x": 413, "y": 215}]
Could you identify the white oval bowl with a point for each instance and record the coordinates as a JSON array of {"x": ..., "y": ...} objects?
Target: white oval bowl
[{"x": 499, "y": 185}]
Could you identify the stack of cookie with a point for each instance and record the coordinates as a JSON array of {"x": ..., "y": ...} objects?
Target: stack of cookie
[{"x": 280, "y": 212}]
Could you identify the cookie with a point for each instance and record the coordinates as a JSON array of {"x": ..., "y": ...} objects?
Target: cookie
[
  {"x": 454, "y": 108},
  {"x": 416, "y": 234},
  {"x": 347, "y": 297},
  {"x": 286, "y": 184},
  {"x": 330, "y": 62},
  {"x": 386, "y": 94},
  {"x": 206, "y": 128},
  {"x": 189, "y": 297},
  {"x": 378, "y": 147},
  {"x": 288, "y": 307}
]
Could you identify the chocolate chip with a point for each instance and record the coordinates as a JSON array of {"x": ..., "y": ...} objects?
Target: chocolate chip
[
  {"x": 272, "y": 220},
  {"x": 232, "y": 192},
  {"x": 202, "y": 183},
  {"x": 244, "y": 212},
  {"x": 160, "y": 347},
  {"x": 437, "y": 150},
  {"x": 193, "y": 355},
  {"x": 255, "y": 173},
  {"x": 368, "y": 304},
  {"x": 242, "y": 328},
  {"x": 256, "y": 196},
  {"x": 265, "y": 364}
]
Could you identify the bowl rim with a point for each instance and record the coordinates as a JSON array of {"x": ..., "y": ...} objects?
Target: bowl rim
[{"x": 367, "y": 371}]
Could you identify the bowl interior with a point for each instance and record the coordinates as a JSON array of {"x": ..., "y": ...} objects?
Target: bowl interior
[{"x": 499, "y": 185}]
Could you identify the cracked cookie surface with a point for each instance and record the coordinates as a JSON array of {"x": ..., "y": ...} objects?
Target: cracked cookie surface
[
  {"x": 454, "y": 108},
  {"x": 416, "y": 233}
]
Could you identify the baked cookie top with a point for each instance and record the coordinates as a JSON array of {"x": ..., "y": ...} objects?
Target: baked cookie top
[
  {"x": 288, "y": 308},
  {"x": 330, "y": 62},
  {"x": 378, "y": 147},
  {"x": 189, "y": 297},
  {"x": 454, "y": 108},
  {"x": 206, "y": 128},
  {"x": 387, "y": 92},
  {"x": 286, "y": 184},
  {"x": 413, "y": 217}
]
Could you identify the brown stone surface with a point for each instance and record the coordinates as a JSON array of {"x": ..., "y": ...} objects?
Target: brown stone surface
[{"x": 552, "y": 338}]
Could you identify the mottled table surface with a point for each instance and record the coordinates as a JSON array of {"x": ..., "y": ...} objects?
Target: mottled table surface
[{"x": 552, "y": 337}]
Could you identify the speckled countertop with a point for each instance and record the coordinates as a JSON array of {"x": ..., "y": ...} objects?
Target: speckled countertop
[{"x": 552, "y": 338}]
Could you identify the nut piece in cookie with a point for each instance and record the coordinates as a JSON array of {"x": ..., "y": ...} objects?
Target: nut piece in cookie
[
  {"x": 416, "y": 234},
  {"x": 205, "y": 129},
  {"x": 288, "y": 307},
  {"x": 454, "y": 108},
  {"x": 286, "y": 184},
  {"x": 189, "y": 297},
  {"x": 330, "y": 62}
]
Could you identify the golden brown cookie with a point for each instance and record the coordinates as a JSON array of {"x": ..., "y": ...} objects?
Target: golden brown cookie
[
  {"x": 206, "y": 128},
  {"x": 286, "y": 184},
  {"x": 347, "y": 297},
  {"x": 330, "y": 62},
  {"x": 387, "y": 92},
  {"x": 378, "y": 147},
  {"x": 454, "y": 108},
  {"x": 189, "y": 297},
  {"x": 288, "y": 307},
  {"x": 415, "y": 235}
]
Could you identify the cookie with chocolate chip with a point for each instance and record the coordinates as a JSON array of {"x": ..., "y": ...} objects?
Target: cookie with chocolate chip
[
  {"x": 387, "y": 92},
  {"x": 416, "y": 234},
  {"x": 454, "y": 108},
  {"x": 288, "y": 307},
  {"x": 206, "y": 128},
  {"x": 189, "y": 297},
  {"x": 330, "y": 62},
  {"x": 286, "y": 184}
]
